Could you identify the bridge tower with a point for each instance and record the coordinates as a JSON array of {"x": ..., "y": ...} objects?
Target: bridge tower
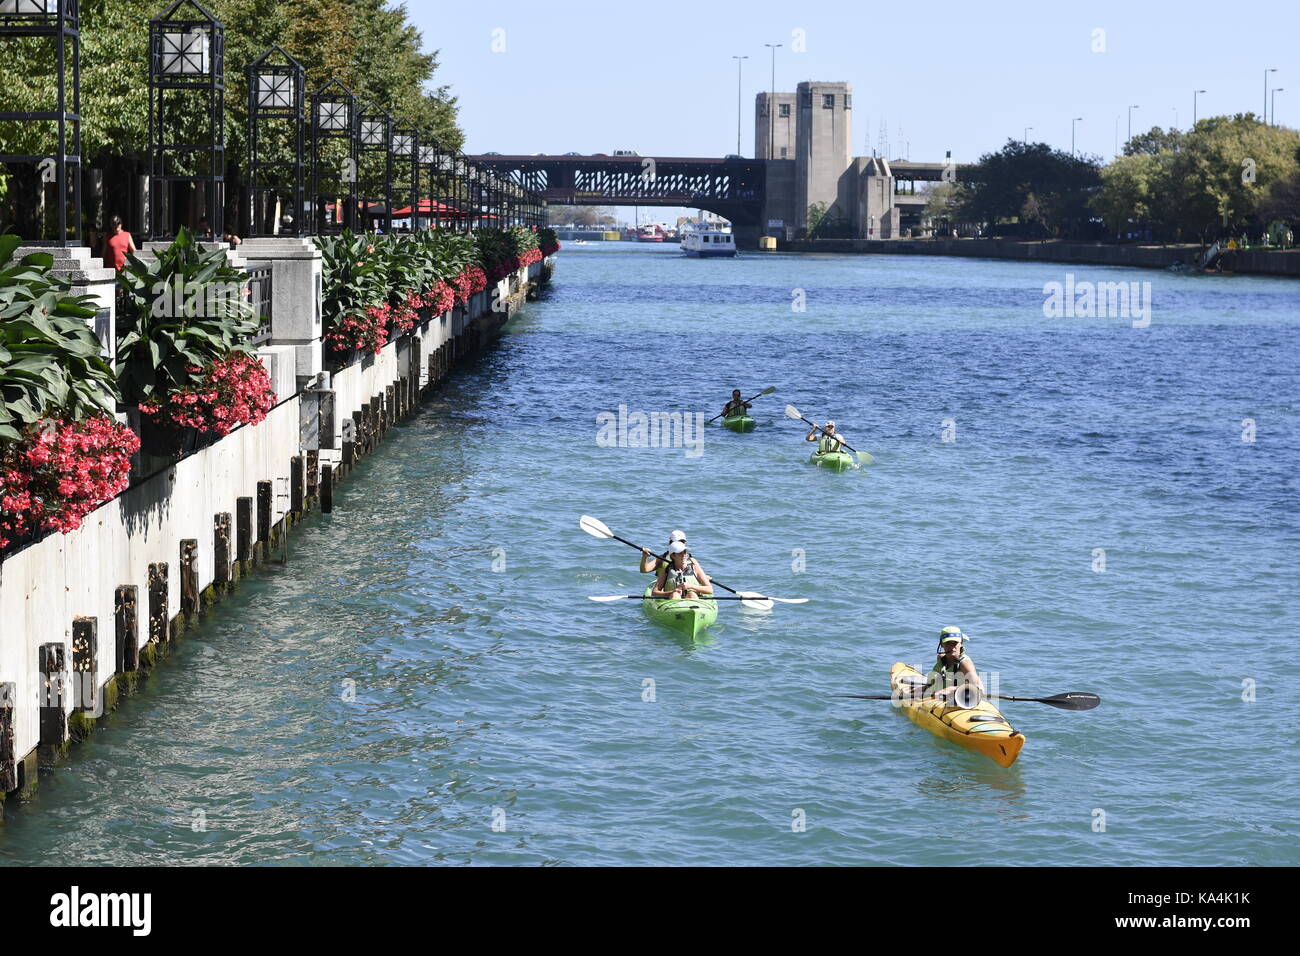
[{"x": 823, "y": 154}]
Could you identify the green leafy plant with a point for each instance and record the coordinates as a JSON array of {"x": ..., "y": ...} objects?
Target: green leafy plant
[
  {"x": 184, "y": 311},
  {"x": 49, "y": 357}
]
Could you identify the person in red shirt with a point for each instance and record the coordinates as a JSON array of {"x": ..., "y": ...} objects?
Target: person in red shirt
[{"x": 117, "y": 244}]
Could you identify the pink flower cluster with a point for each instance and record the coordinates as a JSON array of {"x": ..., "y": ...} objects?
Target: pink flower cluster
[
  {"x": 368, "y": 331},
  {"x": 60, "y": 472},
  {"x": 441, "y": 298},
  {"x": 226, "y": 394},
  {"x": 406, "y": 314},
  {"x": 549, "y": 249},
  {"x": 513, "y": 264},
  {"x": 469, "y": 282}
]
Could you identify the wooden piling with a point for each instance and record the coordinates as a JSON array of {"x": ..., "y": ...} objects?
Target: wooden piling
[
  {"x": 244, "y": 530},
  {"x": 263, "y": 519},
  {"x": 189, "y": 565},
  {"x": 85, "y": 665},
  {"x": 295, "y": 485},
  {"x": 53, "y": 684},
  {"x": 221, "y": 549},
  {"x": 158, "y": 610},
  {"x": 313, "y": 477},
  {"x": 8, "y": 739},
  {"x": 326, "y": 489},
  {"x": 125, "y": 625}
]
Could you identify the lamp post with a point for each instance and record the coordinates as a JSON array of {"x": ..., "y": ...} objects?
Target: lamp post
[
  {"x": 1266, "y": 73},
  {"x": 771, "y": 104},
  {"x": 1273, "y": 102},
  {"x": 59, "y": 21},
  {"x": 374, "y": 136},
  {"x": 1026, "y": 139},
  {"x": 333, "y": 117},
  {"x": 1195, "y": 94},
  {"x": 186, "y": 64},
  {"x": 1072, "y": 122},
  {"x": 1130, "y": 124},
  {"x": 740, "y": 65},
  {"x": 275, "y": 94}
]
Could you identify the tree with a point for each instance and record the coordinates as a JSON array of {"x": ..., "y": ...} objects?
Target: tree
[
  {"x": 998, "y": 188},
  {"x": 1155, "y": 141}
]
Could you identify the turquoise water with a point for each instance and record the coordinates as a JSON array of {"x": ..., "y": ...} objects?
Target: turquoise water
[{"x": 450, "y": 586}]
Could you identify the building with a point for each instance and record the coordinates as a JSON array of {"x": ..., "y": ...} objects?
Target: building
[{"x": 774, "y": 125}]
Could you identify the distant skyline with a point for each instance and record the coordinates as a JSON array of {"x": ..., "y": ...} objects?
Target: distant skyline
[{"x": 660, "y": 78}]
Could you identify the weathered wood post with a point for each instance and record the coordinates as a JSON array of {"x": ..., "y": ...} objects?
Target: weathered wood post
[
  {"x": 327, "y": 489},
  {"x": 295, "y": 486},
  {"x": 244, "y": 531},
  {"x": 159, "y": 631},
  {"x": 125, "y": 629},
  {"x": 53, "y": 684},
  {"x": 8, "y": 739},
  {"x": 85, "y": 665},
  {"x": 263, "y": 520},
  {"x": 189, "y": 565},
  {"x": 313, "y": 477},
  {"x": 221, "y": 550}
]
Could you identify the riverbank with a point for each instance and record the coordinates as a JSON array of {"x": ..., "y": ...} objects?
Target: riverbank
[
  {"x": 84, "y": 616},
  {"x": 1264, "y": 262}
]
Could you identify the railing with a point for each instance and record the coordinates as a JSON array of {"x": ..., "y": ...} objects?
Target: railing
[{"x": 259, "y": 299}]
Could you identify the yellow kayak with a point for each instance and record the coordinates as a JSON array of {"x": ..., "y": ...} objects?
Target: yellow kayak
[{"x": 981, "y": 728}]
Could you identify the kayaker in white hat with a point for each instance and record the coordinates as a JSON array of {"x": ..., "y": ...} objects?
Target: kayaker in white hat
[
  {"x": 682, "y": 577},
  {"x": 737, "y": 405},
  {"x": 650, "y": 561},
  {"x": 829, "y": 441},
  {"x": 953, "y": 668}
]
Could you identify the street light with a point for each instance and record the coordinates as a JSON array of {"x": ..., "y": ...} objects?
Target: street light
[
  {"x": 1266, "y": 73},
  {"x": 1195, "y": 93},
  {"x": 740, "y": 65},
  {"x": 771, "y": 105},
  {"x": 1273, "y": 101},
  {"x": 1026, "y": 139},
  {"x": 1072, "y": 122},
  {"x": 1130, "y": 123}
]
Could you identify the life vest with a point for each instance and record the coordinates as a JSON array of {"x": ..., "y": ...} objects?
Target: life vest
[
  {"x": 944, "y": 674},
  {"x": 685, "y": 578},
  {"x": 828, "y": 443}
]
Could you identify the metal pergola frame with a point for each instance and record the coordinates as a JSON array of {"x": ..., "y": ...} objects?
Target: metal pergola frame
[
  {"x": 333, "y": 117},
  {"x": 186, "y": 56},
  {"x": 276, "y": 92},
  {"x": 33, "y": 18},
  {"x": 406, "y": 148}
]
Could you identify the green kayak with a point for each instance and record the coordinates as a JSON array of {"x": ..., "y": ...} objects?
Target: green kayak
[
  {"x": 689, "y": 617},
  {"x": 738, "y": 423},
  {"x": 834, "y": 460}
]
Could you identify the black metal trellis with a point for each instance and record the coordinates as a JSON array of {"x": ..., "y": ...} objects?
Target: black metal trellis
[
  {"x": 186, "y": 60},
  {"x": 405, "y": 150},
  {"x": 57, "y": 20},
  {"x": 374, "y": 139},
  {"x": 427, "y": 157},
  {"x": 275, "y": 101},
  {"x": 333, "y": 118}
]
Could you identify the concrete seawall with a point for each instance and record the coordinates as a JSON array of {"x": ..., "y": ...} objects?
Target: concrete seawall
[
  {"x": 1272, "y": 262},
  {"x": 84, "y": 616}
]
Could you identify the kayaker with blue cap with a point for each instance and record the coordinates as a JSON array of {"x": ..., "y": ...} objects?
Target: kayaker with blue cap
[
  {"x": 650, "y": 561},
  {"x": 682, "y": 577},
  {"x": 830, "y": 440},
  {"x": 737, "y": 405},
  {"x": 953, "y": 668}
]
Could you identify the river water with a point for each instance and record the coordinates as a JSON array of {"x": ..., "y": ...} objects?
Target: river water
[{"x": 426, "y": 682}]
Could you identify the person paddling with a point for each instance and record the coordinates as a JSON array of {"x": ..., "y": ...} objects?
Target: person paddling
[
  {"x": 952, "y": 667},
  {"x": 682, "y": 577},
  {"x": 737, "y": 405},
  {"x": 651, "y": 562},
  {"x": 830, "y": 440}
]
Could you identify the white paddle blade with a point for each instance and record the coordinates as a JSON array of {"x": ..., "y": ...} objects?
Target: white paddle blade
[
  {"x": 754, "y": 601},
  {"x": 864, "y": 458},
  {"x": 594, "y": 527},
  {"x": 789, "y": 600},
  {"x": 768, "y": 391},
  {"x": 792, "y": 412},
  {"x": 606, "y": 598}
]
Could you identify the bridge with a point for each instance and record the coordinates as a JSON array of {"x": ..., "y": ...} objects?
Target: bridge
[{"x": 732, "y": 188}]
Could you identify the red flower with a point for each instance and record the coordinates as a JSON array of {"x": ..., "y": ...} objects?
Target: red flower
[{"x": 235, "y": 391}]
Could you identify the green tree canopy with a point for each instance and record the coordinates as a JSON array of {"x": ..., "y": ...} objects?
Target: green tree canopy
[{"x": 1050, "y": 186}]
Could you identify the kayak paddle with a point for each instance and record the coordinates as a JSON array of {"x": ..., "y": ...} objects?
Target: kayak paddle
[
  {"x": 598, "y": 529},
  {"x": 748, "y": 598},
  {"x": 1072, "y": 701},
  {"x": 767, "y": 391},
  {"x": 792, "y": 412}
]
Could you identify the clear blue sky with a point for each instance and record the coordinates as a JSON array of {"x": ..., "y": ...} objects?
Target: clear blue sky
[{"x": 658, "y": 77}]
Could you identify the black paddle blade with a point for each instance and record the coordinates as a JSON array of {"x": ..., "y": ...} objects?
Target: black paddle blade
[{"x": 1075, "y": 701}]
